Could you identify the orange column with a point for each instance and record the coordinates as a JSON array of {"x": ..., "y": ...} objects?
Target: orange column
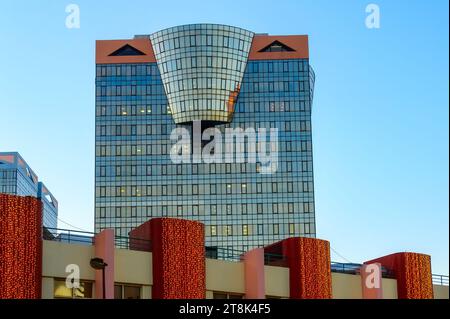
[
  {"x": 20, "y": 247},
  {"x": 104, "y": 248},
  {"x": 254, "y": 274},
  {"x": 309, "y": 267},
  {"x": 413, "y": 274},
  {"x": 178, "y": 255}
]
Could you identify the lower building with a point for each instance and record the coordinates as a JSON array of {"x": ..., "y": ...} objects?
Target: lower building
[
  {"x": 17, "y": 178},
  {"x": 165, "y": 258}
]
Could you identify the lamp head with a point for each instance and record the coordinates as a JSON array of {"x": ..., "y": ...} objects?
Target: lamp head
[{"x": 98, "y": 263}]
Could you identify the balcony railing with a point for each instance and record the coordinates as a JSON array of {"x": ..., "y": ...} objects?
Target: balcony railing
[
  {"x": 354, "y": 269},
  {"x": 440, "y": 280},
  {"x": 275, "y": 260},
  {"x": 87, "y": 238},
  {"x": 68, "y": 236},
  {"x": 133, "y": 243},
  {"x": 223, "y": 253}
]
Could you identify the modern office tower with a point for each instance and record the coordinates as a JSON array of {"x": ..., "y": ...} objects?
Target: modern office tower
[
  {"x": 227, "y": 78},
  {"x": 17, "y": 178},
  {"x": 49, "y": 207}
]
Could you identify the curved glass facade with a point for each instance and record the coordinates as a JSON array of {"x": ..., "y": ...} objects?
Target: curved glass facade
[{"x": 202, "y": 66}]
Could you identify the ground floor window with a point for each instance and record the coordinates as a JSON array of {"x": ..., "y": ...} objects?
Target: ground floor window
[
  {"x": 71, "y": 291},
  {"x": 122, "y": 291},
  {"x": 226, "y": 295}
]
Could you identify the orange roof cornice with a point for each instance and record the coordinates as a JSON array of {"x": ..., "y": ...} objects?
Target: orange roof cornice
[
  {"x": 105, "y": 47},
  {"x": 297, "y": 42}
]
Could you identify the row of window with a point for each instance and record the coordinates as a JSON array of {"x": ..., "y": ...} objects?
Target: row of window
[
  {"x": 198, "y": 89},
  {"x": 221, "y": 63},
  {"x": 132, "y": 110},
  {"x": 270, "y": 67},
  {"x": 247, "y": 230},
  {"x": 235, "y": 233},
  {"x": 276, "y": 66},
  {"x": 204, "y": 189},
  {"x": 8, "y": 189},
  {"x": 253, "y": 67},
  {"x": 275, "y": 86},
  {"x": 178, "y": 169},
  {"x": 185, "y": 41},
  {"x": 198, "y": 29},
  {"x": 110, "y": 109},
  {"x": 218, "y": 84},
  {"x": 121, "y": 291},
  {"x": 8, "y": 174},
  {"x": 128, "y": 90},
  {"x": 84, "y": 290},
  {"x": 154, "y": 149},
  {"x": 213, "y": 209},
  {"x": 127, "y": 70},
  {"x": 226, "y": 295},
  {"x": 132, "y": 130},
  {"x": 163, "y": 129},
  {"x": 195, "y": 169}
]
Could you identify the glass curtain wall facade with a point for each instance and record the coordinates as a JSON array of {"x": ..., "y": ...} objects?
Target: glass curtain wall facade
[
  {"x": 241, "y": 208},
  {"x": 17, "y": 178}
]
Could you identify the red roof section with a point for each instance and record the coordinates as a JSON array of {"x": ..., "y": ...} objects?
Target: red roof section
[
  {"x": 297, "y": 42},
  {"x": 105, "y": 47}
]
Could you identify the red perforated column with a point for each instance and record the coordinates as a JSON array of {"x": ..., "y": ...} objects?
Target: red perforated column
[
  {"x": 178, "y": 257},
  {"x": 20, "y": 247},
  {"x": 413, "y": 274},
  {"x": 309, "y": 267}
]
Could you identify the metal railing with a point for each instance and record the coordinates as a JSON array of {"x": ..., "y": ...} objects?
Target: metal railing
[
  {"x": 230, "y": 254},
  {"x": 87, "y": 238},
  {"x": 441, "y": 280},
  {"x": 355, "y": 269},
  {"x": 345, "y": 268},
  {"x": 133, "y": 243},
  {"x": 275, "y": 260},
  {"x": 223, "y": 253},
  {"x": 68, "y": 236}
]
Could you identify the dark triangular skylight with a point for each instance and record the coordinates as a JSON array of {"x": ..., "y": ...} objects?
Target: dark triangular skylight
[
  {"x": 276, "y": 46},
  {"x": 127, "y": 50}
]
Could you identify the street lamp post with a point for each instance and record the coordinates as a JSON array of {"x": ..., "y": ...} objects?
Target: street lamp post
[{"x": 99, "y": 264}]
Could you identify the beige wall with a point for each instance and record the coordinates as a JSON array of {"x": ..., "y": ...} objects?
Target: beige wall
[
  {"x": 389, "y": 288},
  {"x": 228, "y": 276},
  {"x": 346, "y": 286},
  {"x": 225, "y": 276},
  {"x": 133, "y": 267},
  {"x": 277, "y": 281},
  {"x": 440, "y": 292},
  {"x": 56, "y": 257}
]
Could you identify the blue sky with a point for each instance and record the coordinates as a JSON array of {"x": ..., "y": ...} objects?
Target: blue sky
[{"x": 380, "y": 118}]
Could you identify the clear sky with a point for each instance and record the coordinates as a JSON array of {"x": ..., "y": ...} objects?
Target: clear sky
[{"x": 380, "y": 113}]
